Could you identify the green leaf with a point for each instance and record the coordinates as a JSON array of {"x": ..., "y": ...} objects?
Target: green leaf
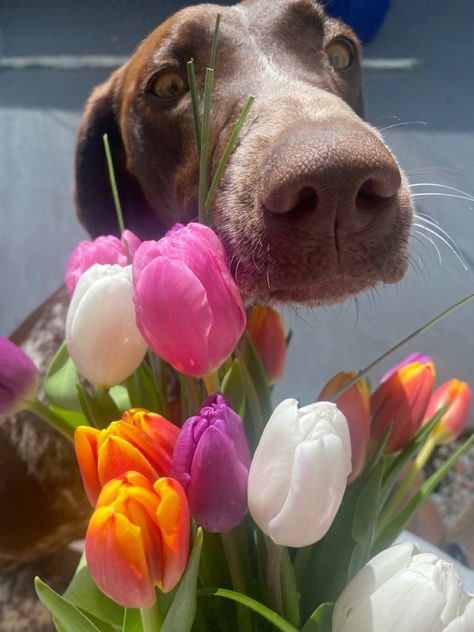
[
  {"x": 61, "y": 380},
  {"x": 148, "y": 392},
  {"x": 396, "y": 525},
  {"x": 183, "y": 609},
  {"x": 289, "y": 590},
  {"x": 256, "y": 606},
  {"x": 84, "y": 594},
  {"x": 232, "y": 386},
  {"x": 68, "y": 616},
  {"x": 320, "y": 620},
  {"x": 257, "y": 373},
  {"x": 132, "y": 621},
  {"x": 120, "y": 396}
]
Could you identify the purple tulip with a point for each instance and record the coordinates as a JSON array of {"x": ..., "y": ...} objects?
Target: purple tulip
[
  {"x": 18, "y": 378},
  {"x": 106, "y": 249},
  {"x": 211, "y": 461},
  {"x": 188, "y": 307}
]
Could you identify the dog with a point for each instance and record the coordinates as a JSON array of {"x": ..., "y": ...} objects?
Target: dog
[{"x": 313, "y": 207}]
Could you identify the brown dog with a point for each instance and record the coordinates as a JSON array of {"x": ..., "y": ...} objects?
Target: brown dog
[{"x": 312, "y": 207}]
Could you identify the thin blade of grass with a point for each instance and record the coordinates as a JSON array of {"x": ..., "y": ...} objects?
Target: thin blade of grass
[
  {"x": 227, "y": 152},
  {"x": 215, "y": 37},
  {"x": 195, "y": 102},
  {"x": 113, "y": 182},
  {"x": 203, "y": 159}
]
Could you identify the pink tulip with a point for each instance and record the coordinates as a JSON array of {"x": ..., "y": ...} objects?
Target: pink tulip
[
  {"x": 458, "y": 395},
  {"x": 104, "y": 249},
  {"x": 355, "y": 406},
  {"x": 18, "y": 378},
  {"x": 188, "y": 307}
]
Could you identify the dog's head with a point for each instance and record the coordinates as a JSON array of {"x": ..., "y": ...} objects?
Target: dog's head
[{"x": 312, "y": 207}]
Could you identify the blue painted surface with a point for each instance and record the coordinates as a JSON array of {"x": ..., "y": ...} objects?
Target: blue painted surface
[{"x": 364, "y": 16}]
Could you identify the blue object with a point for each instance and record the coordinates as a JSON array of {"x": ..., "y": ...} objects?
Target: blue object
[{"x": 364, "y": 16}]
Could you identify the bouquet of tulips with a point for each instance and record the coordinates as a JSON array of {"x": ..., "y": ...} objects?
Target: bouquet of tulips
[{"x": 210, "y": 508}]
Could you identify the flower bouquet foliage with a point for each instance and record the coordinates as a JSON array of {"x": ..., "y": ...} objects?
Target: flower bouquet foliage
[{"x": 210, "y": 509}]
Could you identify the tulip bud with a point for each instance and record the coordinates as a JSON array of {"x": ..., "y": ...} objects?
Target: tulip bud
[
  {"x": 18, "y": 378},
  {"x": 211, "y": 461},
  {"x": 131, "y": 243},
  {"x": 403, "y": 589},
  {"x": 138, "y": 538},
  {"x": 299, "y": 471},
  {"x": 414, "y": 357},
  {"x": 402, "y": 400},
  {"x": 458, "y": 395},
  {"x": 141, "y": 441},
  {"x": 355, "y": 406},
  {"x": 101, "y": 335},
  {"x": 189, "y": 308},
  {"x": 267, "y": 330}
]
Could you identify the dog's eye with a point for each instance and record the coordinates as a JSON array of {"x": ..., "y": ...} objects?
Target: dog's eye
[
  {"x": 340, "y": 53},
  {"x": 168, "y": 84}
]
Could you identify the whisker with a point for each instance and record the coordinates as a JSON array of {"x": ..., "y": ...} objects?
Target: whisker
[
  {"x": 446, "y": 243},
  {"x": 428, "y": 238},
  {"x": 446, "y": 195},
  {"x": 439, "y": 186},
  {"x": 384, "y": 129},
  {"x": 420, "y": 215},
  {"x": 436, "y": 225}
]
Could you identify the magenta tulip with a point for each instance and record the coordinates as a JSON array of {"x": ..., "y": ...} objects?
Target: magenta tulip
[
  {"x": 211, "y": 461},
  {"x": 104, "y": 249},
  {"x": 189, "y": 309},
  {"x": 18, "y": 378}
]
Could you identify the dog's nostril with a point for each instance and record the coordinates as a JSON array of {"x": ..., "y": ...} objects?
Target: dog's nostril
[
  {"x": 306, "y": 200},
  {"x": 285, "y": 201},
  {"x": 372, "y": 195}
]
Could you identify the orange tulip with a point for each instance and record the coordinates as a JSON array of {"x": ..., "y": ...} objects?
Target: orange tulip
[
  {"x": 138, "y": 538},
  {"x": 451, "y": 424},
  {"x": 402, "y": 399},
  {"x": 355, "y": 406},
  {"x": 267, "y": 330},
  {"x": 141, "y": 441}
]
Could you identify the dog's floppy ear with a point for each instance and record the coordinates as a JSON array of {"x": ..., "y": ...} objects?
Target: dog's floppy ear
[{"x": 94, "y": 201}]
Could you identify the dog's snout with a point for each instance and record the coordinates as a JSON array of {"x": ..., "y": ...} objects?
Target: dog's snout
[{"x": 344, "y": 173}]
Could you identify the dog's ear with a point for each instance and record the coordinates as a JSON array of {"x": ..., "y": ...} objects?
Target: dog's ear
[{"x": 93, "y": 194}]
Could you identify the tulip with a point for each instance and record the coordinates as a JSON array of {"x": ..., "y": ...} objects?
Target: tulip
[
  {"x": 138, "y": 539},
  {"x": 299, "y": 471},
  {"x": 458, "y": 395},
  {"x": 267, "y": 330},
  {"x": 402, "y": 400},
  {"x": 355, "y": 406},
  {"x": 101, "y": 335},
  {"x": 211, "y": 461},
  {"x": 414, "y": 357},
  {"x": 403, "y": 589},
  {"x": 131, "y": 243},
  {"x": 189, "y": 309},
  {"x": 18, "y": 378},
  {"x": 141, "y": 441}
]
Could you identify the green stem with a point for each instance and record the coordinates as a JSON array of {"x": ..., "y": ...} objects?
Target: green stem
[
  {"x": 415, "y": 333},
  {"x": 151, "y": 618},
  {"x": 211, "y": 382},
  {"x": 203, "y": 158},
  {"x": 133, "y": 391},
  {"x": 237, "y": 576},
  {"x": 403, "y": 489},
  {"x": 113, "y": 183},
  {"x": 251, "y": 393},
  {"x": 195, "y": 103},
  {"x": 274, "y": 556},
  {"x": 51, "y": 418}
]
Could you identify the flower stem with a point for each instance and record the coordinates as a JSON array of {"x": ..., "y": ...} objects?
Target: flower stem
[
  {"x": 274, "y": 555},
  {"x": 237, "y": 576},
  {"x": 113, "y": 183},
  {"x": 415, "y": 333},
  {"x": 52, "y": 419},
  {"x": 211, "y": 382},
  {"x": 151, "y": 618},
  {"x": 403, "y": 489}
]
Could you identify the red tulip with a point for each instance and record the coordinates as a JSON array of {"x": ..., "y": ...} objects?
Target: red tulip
[
  {"x": 402, "y": 400},
  {"x": 451, "y": 424},
  {"x": 267, "y": 330},
  {"x": 138, "y": 538},
  {"x": 355, "y": 406},
  {"x": 141, "y": 441}
]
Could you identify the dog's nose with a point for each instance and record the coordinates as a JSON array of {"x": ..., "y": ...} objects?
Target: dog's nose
[{"x": 341, "y": 173}]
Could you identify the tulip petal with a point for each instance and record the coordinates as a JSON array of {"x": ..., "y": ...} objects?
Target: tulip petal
[
  {"x": 464, "y": 623},
  {"x": 117, "y": 456},
  {"x": 217, "y": 492},
  {"x": 160, "y": 311},
  {"x": 85, "y": 445},
  {"x": 173, "y": 519},
  {"x": 318, "y": 483},
  {"x": 116, "y": 559}
]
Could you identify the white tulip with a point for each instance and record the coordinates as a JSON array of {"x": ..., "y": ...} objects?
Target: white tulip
[
  {"x": 403, "y": 590},
  {"x": 299, "y": 472},
  {"x": 101, "y": 335}
]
